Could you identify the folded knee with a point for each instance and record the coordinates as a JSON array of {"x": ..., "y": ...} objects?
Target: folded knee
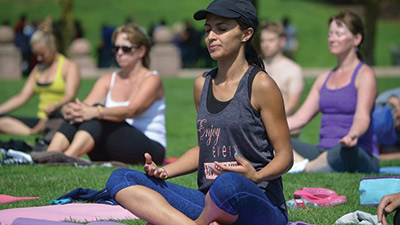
[
  {"x": 116, "y": 177},
  {"x": 227, "y": 185}
]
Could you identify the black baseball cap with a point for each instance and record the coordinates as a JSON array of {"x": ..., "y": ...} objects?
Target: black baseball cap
[{"x": 231, "y": 9}]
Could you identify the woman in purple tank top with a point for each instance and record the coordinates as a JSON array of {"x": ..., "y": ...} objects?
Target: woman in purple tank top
[{"x": 345, "y": 96}]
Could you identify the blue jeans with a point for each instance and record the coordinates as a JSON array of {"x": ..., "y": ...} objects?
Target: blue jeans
[{"x": 231, "y": 192}]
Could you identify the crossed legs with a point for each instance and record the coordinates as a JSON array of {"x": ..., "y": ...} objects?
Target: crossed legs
[
  {"x": 10, "y": 125},
  {"x": 160, "y": 202},
  {"x": 152, "y": 207},
  {"x": 81, "y": 144}
]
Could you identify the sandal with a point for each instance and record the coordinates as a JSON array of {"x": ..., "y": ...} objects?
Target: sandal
[
  {"x": 321, "y": 196},
  {"x": 319, "y": 192}
]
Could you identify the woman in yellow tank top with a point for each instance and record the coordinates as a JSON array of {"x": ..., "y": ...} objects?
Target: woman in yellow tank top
[{"x": 55, "y": 79}]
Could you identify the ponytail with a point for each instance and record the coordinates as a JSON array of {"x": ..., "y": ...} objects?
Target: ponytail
[
  {"x": 359, "y": 53},
  {"x": 44, "y": 33},
  {"x": 252, "y": 56}
]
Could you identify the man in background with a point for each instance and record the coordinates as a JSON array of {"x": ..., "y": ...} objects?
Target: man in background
[{"x": 287, "y": 74}]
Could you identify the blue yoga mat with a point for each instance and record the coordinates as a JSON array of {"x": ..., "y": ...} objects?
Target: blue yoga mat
[{"x": 390, "y": 170}]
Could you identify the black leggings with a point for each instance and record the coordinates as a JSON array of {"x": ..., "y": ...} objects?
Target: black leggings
[
  {"x": 32, "y": 122},
  {"x": 116, "y": 141}
]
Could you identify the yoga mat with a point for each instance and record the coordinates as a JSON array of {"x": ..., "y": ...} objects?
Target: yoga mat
[
  {"x": 29, "y": 221},
  {"x": 77, "y": 212},
  {"x": 390, "y": 170},
  {"x": 9, "y": 198}
]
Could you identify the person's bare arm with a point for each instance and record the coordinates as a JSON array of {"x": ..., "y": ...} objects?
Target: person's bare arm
[
  {"x": 72, "y": 110},
  {"x": 149, "y": 91},
  {"x": 22, "y": 97},
  {"x": 310, "y": 106},
  {"x": 267, "y": 99},
  {"x": 366, "y": 93},
  {"x": 99, "y": 91},
  {"x": 294, "y": 90},
  {"x": 188, "y": 162}
]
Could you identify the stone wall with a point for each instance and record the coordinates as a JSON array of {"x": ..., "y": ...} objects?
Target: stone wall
[{"x": 10, "y": 55}]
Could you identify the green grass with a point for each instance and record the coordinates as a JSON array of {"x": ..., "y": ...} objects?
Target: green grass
[
  {"x": 310, "y": 17},
  {"x": 51, "y": 182}
]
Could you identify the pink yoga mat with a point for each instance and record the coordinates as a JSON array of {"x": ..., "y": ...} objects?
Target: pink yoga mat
[
  {"x": 9, "y": 198},
  {"x": 78, "y": 212}
]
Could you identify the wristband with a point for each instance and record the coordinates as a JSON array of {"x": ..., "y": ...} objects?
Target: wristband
[
  {"x": 101, "y": 111},
  {"x": 164, "y": 172}
]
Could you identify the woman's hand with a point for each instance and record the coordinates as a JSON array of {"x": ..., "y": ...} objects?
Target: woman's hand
[
  {"x": 244, "y": 168},
  {"x": 349, "y": 141},
  {"x": 70, "y": 111},
  {"x": 86, "y": 112},
  {"x": 387, "y": 204},
  {"x": 152, "y": 169},
  {"x": 78, "y": 112},
  {"x": 50, "y": 110}
]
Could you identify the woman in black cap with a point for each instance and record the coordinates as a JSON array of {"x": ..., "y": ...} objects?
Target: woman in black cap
[{"x": 243, "y": 139}]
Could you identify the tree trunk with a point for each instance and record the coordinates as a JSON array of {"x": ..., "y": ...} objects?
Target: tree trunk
[
  {"x": 67, "y": 25},
  {"x": 371, "y": 17},
  {"x": 254, "y": 2}
]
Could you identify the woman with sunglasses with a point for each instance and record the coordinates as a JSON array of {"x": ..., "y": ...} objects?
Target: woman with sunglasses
[
  {"x": 124, "y": 114},
  {"x": 243, "y": 143},
  {"x": 55, "y": 79}
]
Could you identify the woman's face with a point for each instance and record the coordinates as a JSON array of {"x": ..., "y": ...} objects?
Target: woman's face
[
  {"x": 340, "y": 39},
  {"x": 44, "y": 53},
  {"x": 126, "y": 53},
  {"x": 223, "y": 37}
]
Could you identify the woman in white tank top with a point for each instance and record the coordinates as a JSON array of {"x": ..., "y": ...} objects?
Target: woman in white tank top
[{"x": 123, "y": 116}]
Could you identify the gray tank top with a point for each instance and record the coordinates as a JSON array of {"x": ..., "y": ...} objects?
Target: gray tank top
[{"x": 237, "y": 127}]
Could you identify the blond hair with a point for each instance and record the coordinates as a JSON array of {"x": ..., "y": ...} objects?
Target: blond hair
[{"x": 43, "y": 34}]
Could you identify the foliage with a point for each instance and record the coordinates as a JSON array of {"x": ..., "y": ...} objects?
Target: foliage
[{"x": 310, "y": 17}]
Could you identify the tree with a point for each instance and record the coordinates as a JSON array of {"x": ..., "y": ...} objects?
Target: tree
[
  {"x": 371, "y": 17},
  {"x": 67, "y": 25},
  {"x": 254, "y": 3}
]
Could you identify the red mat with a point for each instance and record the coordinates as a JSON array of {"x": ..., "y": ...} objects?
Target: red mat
[{"x": 9, "y": 198}]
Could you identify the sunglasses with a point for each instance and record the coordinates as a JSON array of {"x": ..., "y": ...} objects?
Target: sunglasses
[{"x": 125, "y": 49}]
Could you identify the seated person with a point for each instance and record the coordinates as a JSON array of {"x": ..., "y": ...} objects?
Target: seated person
[
  {"x": 386, "y": 118},
  {"x": 287, "y": 74},
  {"x": 243, "y": 144},
  {"x": 345, "y": 96},
  {"x": 55, "y": 79},
  {"x": 123, "y": 116}
]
